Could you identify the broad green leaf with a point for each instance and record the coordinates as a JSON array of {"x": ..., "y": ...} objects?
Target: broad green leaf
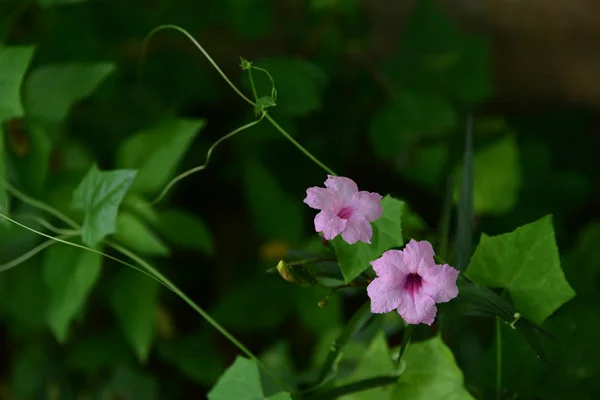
[
  {"x": 13, "y": 65},
  {"x": 299, "y": 84},
  {"x": 133, "y": 299},
  {"x": 51, "y": 90},
  {"x": 416, "y": 115},
  {"x": 431, "y": 374},
  {"x": 496, "y": 177},
  {"x": 275, "y": 213},
  {"x": 186, "y": 231},
  {"x": 70, "y": 273},
  {"x": 157, "y": 151},
  {"x": 527, "y": 264},
  {"x": 195, "y": 355},
  {"x": 375, "y": 362},
  {"x": 241, "y": 381},
  {"x": 387, "y": 233},
  {"x": 137, "y": 236},
  {"x": 99, "y": 195}
]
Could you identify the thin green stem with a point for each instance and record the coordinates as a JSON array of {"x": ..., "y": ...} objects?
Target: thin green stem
[
  {"x": 299, "y": 146},
  {"x": 49, "y": 226},
  {"x": 26, "y": 256},
  {"x": 254, "y": 93},
  {"x": 40, "y": 205},
  {"x": 498, "y": 359},
  {"x": 208, "y": 57},
  {"x": 196, "y": 307},
  {"x": 191, "y": 171},
  {"x": 273, "y": 91}
]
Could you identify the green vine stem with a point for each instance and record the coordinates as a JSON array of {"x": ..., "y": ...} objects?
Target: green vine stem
[
  {"x": 24, "y": 257},
  {"x": 146, "y": 269},
  {"x": 235, "y": 88},
  {"x": 354, "y": 387},
  {"x": 202, "y": 167}
]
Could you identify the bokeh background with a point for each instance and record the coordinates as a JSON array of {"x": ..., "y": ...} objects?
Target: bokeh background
[{"x": 378, "y": 90}]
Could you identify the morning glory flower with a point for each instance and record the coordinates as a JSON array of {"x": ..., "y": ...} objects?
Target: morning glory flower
[
  {"x": 411, "y": 282},
  {"x": 344, "y": 210}
]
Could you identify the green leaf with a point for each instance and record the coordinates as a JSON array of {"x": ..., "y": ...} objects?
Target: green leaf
[
  {"x": 299, "y": 84},
  {"x": 241, "y": 381},
  {"x": 195, "y": 355},
  {"x": 137, "y": 236},
  {"x": 157, "y": 151},
  {"x": 133, "y": 299},
  {"x": 186, "y": 231},
  {"x": 275, "y": 213},
  {"x": 34, "y": 165},
  {"x": 70, "y": 273},
  {"x": 414, "y": 116},
  {"x": 131, "y": 384},
  {"x": 51, "y": 90},
  {"x": 431, "y": 374},
  {"x": 376, "y": 362},
  {"x": 14, "y": 61},
  {"x": 527, "y": 264},
  {"x": 97, "y": 351},
  {"x": 387, "y": 233},
  {"x": 463, "y": 240},
  {"x": 99, "y": 195},
  {"x": 496, "y": 177}
]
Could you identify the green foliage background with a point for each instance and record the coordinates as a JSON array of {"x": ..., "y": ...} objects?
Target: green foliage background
[{"x": 72, "y": 96}]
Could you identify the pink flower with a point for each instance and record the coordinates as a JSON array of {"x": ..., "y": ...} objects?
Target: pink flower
[
  {"x": 344, "y": 209},
  {"x": 410, "y": 281}
]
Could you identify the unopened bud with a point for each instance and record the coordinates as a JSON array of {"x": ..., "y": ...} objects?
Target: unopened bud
[
  {"x": 323, "y": 303},
  {"x": 295, "y": 273}
]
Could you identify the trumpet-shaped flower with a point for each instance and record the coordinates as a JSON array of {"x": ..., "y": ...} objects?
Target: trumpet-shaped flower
[
  {"x": 411, "y": 282},
  {"x": 344, "y": 209}
]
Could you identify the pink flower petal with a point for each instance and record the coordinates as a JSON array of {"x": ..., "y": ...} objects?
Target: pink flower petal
[
  {"x": 345, "y": 187},
  {"x": 439, "y": 282},
  {"x": 327, "y": 222},
  {"x": 418, "y": 255},
  {"x": 367, "y": 204},
  {"x": 417, "y": 308},
  {"x": 384, "y": 293},
  {"x": 391, "y": 261},
  {"x": 320, "y": 198},
  {"x": 357, "y": 228}
]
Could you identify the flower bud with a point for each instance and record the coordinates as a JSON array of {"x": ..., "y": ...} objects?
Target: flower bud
[{"x": 295, "y": 273}]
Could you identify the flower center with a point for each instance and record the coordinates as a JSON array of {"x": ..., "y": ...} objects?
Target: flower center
[
  {"x": 345, "y": 213},
  {"x": 413, "y": 283}
]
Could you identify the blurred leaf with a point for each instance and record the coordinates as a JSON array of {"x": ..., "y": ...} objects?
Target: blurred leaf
[
  {"x": 387, "y": 233},
  {"x": 435, "y": 53},
  {"x": 135, "y": 235},
  {"x": 26, "y": 297},
  {"x": 278, "y": 358},
  {"x": 427, "y": 166},
  {"x": 34, "y": 164},
  {"x": 275, "y": 214},
  {"x": 99, "y": 195},
  {"x": 376, "y": 362},
  {"x": 51, "y": 90},
  {"x": 268, "y": 297},
  {"x": 131, "y": 384},
  {"x": 14, "y": 62},
  {"x": 97, "y": 351},
  {"x": 582, "y": 263},
  {"x": 463, "y": 240},
  {"x": 195, "y": 355},
  {"x": 241, "y": 381},
  {"x": 157, "y": 151},
  {"x": 414, "y": 116},
  {"x": 431, "y": 374},
  {"x": 251, "y": 18},
  {"x": 70, "y": 273},
  {"x": 141, "y": 207},
  {"x": 186, "y": 231},
  {"x": 30, "y": 372},
  {"x": 497, "y": 177},
  {"x": 527, "y": 264},
  {"x": 133, "y": 299},
  {"x": 319, "y": 319},
  {"x": 299, "y": 84}
]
